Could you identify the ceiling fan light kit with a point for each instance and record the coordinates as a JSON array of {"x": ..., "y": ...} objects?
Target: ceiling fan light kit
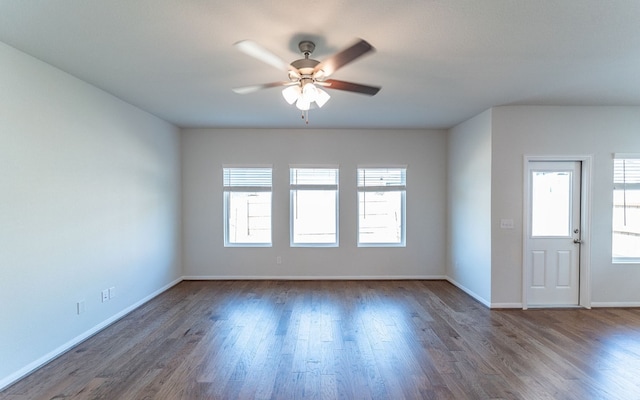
[{"x": 306, "y": 74}]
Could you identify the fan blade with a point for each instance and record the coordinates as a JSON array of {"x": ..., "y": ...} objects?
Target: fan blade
[
  {"x": 352, "y": 87},
  {"x": 255, "y": 88},
  {"x": 340, "y": 59},
  {"x": 255, "y": 50}
]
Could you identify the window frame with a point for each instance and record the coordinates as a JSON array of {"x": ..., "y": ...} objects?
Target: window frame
[
  {"x": 400, "y": 187},
  {"x": 294, "y": 187},
  {"x": 258, "y": 186},
  {"x": 624, "y": 186}
]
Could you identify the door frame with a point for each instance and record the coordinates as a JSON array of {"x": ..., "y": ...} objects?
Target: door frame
[{"x": 585, "y": 225}]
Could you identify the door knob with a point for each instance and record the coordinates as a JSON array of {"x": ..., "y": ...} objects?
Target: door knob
[{"x": 577, "y": 241}]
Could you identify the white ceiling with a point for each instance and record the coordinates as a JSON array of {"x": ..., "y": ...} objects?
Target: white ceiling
[{"x": 439, "y": 62}]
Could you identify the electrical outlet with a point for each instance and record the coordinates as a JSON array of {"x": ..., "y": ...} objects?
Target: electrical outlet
[
  {"x": 279, "y": 260},
  {"x": 112, "y": 292},
  {"x": 105, "y": 295}
]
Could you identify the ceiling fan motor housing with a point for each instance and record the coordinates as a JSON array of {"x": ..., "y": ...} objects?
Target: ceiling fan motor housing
[
  {"x": 306, "y": 47},
  {"x": 305, "y": 65}
]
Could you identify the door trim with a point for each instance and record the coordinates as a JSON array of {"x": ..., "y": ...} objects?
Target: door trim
[{"x": 585, "y": 222}]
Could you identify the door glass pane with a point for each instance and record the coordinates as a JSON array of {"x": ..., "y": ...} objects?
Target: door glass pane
[{"x": 551, "y": 203}]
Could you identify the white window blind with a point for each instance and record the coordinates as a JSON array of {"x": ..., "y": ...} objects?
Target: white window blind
[
  {"x": 381, "y": 178},
  {"x": 326, "y": 178},
  {"x": 626, "y": 171},
  {"x": 250, "y": 179}
]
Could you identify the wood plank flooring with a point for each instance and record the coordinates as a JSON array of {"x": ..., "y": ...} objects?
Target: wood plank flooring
[{"x": 345, "y": 340}]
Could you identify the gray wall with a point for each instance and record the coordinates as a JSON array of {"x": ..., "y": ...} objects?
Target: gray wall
[
  {"x": 205, "y": 151},
  {"x": 469, "y": 206},
  {"x": 485, "y": 184},
  {"x": 90, "y": 199},
  {"x": 539, "y": 131}
]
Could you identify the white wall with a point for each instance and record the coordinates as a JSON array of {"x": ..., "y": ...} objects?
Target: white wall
[
  {"x": 526, "y": 130},
  {"x": 469, "y": 206},
  {"x": 89, "y": 199},
  {"x": 205, "y": 151}
]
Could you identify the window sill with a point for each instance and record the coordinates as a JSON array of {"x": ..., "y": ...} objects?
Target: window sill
[
  {"x": 314, "y": 245},
  {"x": 382, "y": 245},
  {"x": 625, "y": 260},
  {"x": 231, "y": 245}
]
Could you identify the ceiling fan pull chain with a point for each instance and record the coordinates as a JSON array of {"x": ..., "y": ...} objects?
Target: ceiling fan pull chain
[{"x": 305, "y": 116}]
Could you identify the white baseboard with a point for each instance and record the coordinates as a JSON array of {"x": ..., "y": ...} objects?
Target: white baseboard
[
  {"x": 506, "y": 305},
  {"x": 482, "y": 300},
  {"x": 29, "y": 368},
  {"x": 310, "y": 278},
  {"x": 613, "y": 304},
  {"x": 469, "y": 292}
]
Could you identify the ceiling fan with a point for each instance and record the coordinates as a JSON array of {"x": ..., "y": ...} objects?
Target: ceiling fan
[{"x": 307, "y": 76}]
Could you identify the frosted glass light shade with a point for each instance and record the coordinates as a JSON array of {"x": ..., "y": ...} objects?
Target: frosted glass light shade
[
  {"x": 302, "y": 104},
  {"x": 310, "y": 92},
  {"x": 291, "y": 93},
  {"x": 322, "y": 98},
  {"x": 304, "y": 96}
]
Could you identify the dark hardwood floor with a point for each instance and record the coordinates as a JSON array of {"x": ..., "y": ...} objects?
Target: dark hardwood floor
[{"x": 345, "y": 340}]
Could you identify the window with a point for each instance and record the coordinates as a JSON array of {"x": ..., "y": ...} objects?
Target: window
[
  {"x": 551, "y": 200},
  {"x": 626, "y": 208},
  {"x": 247, "y": 206},
  {"x": 314, "y": 206},
  {"x": 381, "y": 206}
]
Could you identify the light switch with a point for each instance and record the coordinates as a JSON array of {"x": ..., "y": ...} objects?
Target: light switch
[{"x": 506, "y": 224}]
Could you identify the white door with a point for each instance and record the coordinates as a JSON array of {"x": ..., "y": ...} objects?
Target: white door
[{"x": 553, "y": 233}]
